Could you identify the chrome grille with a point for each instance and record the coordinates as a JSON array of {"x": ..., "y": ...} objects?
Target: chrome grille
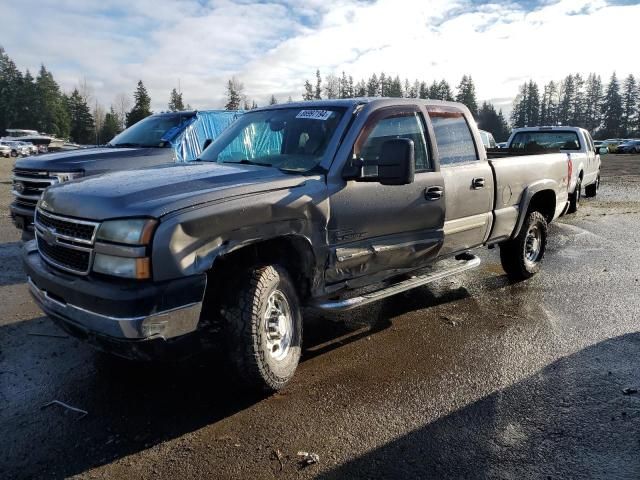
[
  {"x": 65, "y": 243},
  {"x": 28, "y": 186}
]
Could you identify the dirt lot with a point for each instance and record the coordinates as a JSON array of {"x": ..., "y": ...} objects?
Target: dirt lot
[{"x": 469, "y": 378}]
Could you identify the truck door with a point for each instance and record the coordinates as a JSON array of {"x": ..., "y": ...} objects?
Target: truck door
[
  {"x": 375, "y": 228},
  {"x": 468, "y": 180}
]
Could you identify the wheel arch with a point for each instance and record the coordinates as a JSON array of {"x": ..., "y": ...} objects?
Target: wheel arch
[{"x": 540, "y": 197}]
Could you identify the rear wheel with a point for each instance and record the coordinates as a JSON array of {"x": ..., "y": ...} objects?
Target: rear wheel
[
  {"x": 574, "y": 198},
  {"x": 263, "y": 328},
  {"x": 592, "y": 190},
  {"x": 522, "y": 255}
]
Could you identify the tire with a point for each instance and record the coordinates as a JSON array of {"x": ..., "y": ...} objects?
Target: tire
[
  {"x": 263, "y": 348},
  {"x": 592, "y": 190},
  {"x": 574, "y": 198},
  {"x": 520, "y": 257}
]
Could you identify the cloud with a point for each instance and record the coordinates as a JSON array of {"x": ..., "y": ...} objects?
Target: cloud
[{"x": 273, "y": 46}]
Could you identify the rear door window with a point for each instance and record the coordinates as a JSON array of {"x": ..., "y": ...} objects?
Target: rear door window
[{"x": 453, "y": 136}]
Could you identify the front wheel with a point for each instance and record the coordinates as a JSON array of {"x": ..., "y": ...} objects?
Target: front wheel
[
  {"x": 522, "y": 255},
  {"x": 263, "y": 326},
  {"x": 574, "y": 198}
]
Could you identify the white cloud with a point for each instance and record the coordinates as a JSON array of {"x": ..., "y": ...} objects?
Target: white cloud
[{"x": 274, "y": 46}]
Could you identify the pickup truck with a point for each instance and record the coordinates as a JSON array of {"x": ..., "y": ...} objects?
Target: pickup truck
[
  {"x": 294, "y": 205},
  {"x": 575, "y": 142},
  {"x": 157, "y": 139}
]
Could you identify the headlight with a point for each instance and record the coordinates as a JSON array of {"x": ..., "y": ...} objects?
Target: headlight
[
  {"x": 121, "y": 266},
  {"x": 66, "y": 176},
  {"x": 133, "y": 232}
]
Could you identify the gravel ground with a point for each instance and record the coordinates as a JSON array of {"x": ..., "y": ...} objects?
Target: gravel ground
[{"x": 472, "y": 377}]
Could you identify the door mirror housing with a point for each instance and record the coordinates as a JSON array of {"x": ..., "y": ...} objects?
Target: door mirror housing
[
  {"x": 206, "y": 143},
  {"x": 396, "y": 165}
]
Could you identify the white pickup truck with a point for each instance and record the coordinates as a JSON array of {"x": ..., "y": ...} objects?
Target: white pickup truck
[{"x": 576, "y": 143}]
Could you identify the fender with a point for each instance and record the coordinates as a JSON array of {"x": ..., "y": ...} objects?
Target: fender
[{"x": 527, "y": 195}]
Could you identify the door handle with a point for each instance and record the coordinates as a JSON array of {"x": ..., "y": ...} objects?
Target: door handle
[
  {"x": 433, "y": 193},
  {"x": 477, "y": 183}
]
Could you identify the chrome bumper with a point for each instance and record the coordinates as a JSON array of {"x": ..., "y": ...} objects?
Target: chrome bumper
[{"x": 165, "y": 325}]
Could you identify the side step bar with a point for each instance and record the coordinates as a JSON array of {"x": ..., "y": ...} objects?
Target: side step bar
[{"x": 467, "y": 262}]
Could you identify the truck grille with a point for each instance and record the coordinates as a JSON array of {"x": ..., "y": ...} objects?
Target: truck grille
[
  {"x": 65, "y": 243},
  {"x": 28, "y": 186}
]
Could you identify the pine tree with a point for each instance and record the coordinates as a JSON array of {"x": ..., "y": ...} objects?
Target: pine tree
[
  {"x": 273, "y": 100},
  {"x": 423, "y": 92},
  {"x": 360, "y": 89},
  {"x": 492, "y": 121},
  {"x": 141, "y": 107},
  {"x": 175, "y": 101},
  {"x": 10, "y": 84},
  {"x": 318, "y": 94},
  {"x": 50, "y": 106},
  {"x": 467, "y": 94},
  {"x": 579, "y": 106},
  {"x": 82, "y": 128},
  {"x": 384, "y": 85},
  {"x": 395, "y": 88},
  {"x": 612, "y": 110},
  {"x": 373, "y": 86},
  {"x": 332, "y": 87},
  {"x": 567, "y": 97},
  {"x": 234, "y": 94},
  {"x": 444, "y": 91},
  {"x": 110, "y": 126},
  {"x": 549, "y": 105},
  {"x": 519, "y": 111},
  {"x": 629, "y": 106},
  {"x": 533, "y": 104},
  {"x": 593, "y": 101},
  {"x": 308, "y": 91}
]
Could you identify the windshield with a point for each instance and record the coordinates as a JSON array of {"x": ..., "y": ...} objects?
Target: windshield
[
  {"x": 541, "y": 141},
  {"x": 293, "y": 139},
  {"x": 153, "y": 131}
]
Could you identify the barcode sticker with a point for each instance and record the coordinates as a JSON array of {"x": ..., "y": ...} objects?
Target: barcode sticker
[{"x": 315, "y": 114}]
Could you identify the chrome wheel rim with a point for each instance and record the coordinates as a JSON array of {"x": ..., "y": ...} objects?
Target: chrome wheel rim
[
  {"x": 278, "y": 325},
  {"x": 533, "y": 245}
]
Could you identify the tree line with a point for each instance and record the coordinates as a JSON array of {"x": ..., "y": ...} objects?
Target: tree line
[
  {"x": 38, "y": 103},
  {"x": 607, "y": 111}
]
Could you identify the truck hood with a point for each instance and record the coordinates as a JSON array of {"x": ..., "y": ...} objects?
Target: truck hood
[
  {"x": 158, "y": 191},
  {"x": 82, "y": 159}
]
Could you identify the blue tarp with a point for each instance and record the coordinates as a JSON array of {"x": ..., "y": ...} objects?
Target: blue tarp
[{"x": 207, "y": 124}]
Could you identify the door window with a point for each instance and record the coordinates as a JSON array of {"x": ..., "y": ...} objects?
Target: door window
[
  {"x": 453, "y": 137},
  {"x": 389, "y": 126}
]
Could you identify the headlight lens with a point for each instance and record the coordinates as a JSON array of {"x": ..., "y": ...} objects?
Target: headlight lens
[
  {"x": 66, "y": 176},
  {"x": 138, "y": 268},
  {"x": 133, "y": 232}
]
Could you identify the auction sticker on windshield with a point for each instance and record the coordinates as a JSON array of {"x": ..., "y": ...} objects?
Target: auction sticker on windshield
[{"x": 315, "y": 114}]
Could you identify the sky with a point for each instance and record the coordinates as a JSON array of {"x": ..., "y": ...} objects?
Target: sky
[{"x": 273, "y": 46}]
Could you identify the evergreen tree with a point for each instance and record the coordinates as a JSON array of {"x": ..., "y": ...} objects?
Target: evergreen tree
[
  {"x": 519, "y": 111},
  {"x": 360, "y": 89},
  {"x": 395, "y": 88},
  {"x": 467, "y": 94},
  {"x": 81, "y": 122},
  {"x": 593, "y": 101},
  {"x": 25, "y": 103},
  {"x": 308, "y": 91},
  {"x": 492, "y": 121},
  {"x": 384, "y": 85},
  {"x": 612, "y": 110},
  {"x": 373, "y": 86},
  {"x": 423, "y": 91},
  {"x": 318, "y": 95},
  {"x": 50, "y": 106},
  {"x": 234, "y": 94},
  {"x": 10, "y": 84},
  {"x": 533, "y": 104},
  {"x": 629, "y": 106},
  {"x": 549, "y": 105},
  {"x": 273, "y": 100},
  {"x": 578, "y": 108},
  {"x": 567, "y": 97},
  {"x": 444, "y": 91},
  {"x": 141, "y": 106},
  {"x": 175, "y": 101},
  {"x": 110, "y": 126}
]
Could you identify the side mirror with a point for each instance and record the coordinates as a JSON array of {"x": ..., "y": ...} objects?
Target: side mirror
[
  {"x": 396, "y": 165},
  {"x": 206, "y": 143},
  {"x": 603, "y": 150}
]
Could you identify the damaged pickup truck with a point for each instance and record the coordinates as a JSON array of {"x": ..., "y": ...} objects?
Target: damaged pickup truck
[{"x": 293, "y": 206}]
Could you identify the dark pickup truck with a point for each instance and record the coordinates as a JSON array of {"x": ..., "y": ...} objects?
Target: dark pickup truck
[
  {"x": 295, "y": 205},
  {"x": 158, "y": 139}
]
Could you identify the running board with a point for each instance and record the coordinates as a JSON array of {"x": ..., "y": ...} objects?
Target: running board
[{"x": 468, "y": 262}]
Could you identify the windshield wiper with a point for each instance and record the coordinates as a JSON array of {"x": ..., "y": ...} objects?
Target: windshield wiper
[{"x": 244, "y": 161}]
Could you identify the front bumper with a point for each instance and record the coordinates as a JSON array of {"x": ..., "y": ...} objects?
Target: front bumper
[
  {"x": 116, "y": 310},
  {"x": 22, "y": 217}
]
